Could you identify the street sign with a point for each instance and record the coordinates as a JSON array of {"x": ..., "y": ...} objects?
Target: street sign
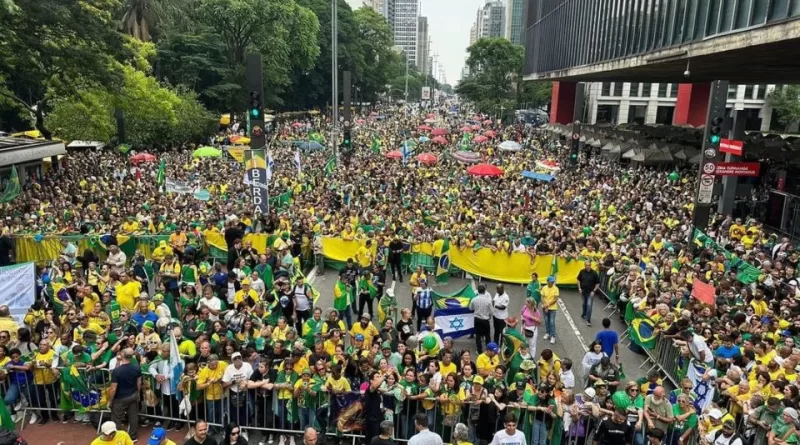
[
  {"x": 748, "y": 169},
  {"x": 576, "y": 136},
  {"x": 710, "y": 153},
  {"x": 731, "y": 147},
  {"x": 709, "y": 168},
  {"x": 706, "y": 190}
]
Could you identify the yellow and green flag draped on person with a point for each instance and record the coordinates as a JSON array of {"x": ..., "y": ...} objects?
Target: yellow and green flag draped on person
[
  {"x": 12, "y": 187},
  {"x": 342, "y": 295},
  {"x": 443, "y": 265}
]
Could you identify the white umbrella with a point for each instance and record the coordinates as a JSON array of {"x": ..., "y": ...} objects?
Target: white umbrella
[{"x": 510, "y": 146}]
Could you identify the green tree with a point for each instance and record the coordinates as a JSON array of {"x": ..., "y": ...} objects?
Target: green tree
[
  {"x": 52, "y": 48},
  {"x": 494, "y": 65},
  {"x": 140, "y": 18},
  {"x": 534, "y": 94},
  {"x": 786, "y": 101}
]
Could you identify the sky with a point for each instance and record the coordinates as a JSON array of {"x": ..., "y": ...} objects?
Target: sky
[{"x": 449, "y": 22}]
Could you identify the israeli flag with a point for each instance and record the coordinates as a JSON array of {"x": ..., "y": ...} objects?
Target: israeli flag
[
  {"x": 454, "y": 321},
  {"x": 297, "y": 162},
  {"x": 405, "y": 152},
  {"x": 270, "y": 166}
]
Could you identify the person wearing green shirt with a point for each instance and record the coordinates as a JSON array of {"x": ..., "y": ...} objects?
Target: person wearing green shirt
[
  {"x": 312, "y": 328},
  {"x": 685, "y": 418},
  {"x": 544, "y": 409},
  {"x": 534, "y": 289},
  {"x": 783, "y": 430}
]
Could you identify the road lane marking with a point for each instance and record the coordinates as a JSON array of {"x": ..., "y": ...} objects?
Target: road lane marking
[{"x": 573, "y": 325}]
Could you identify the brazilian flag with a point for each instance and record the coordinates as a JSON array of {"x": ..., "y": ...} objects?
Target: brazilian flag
[
  {"x": 342, "y": 296},
  {"x": 443, "y": 266},
  {"x": 316, "y": 137},
  {"x": 642, "y": 331},
  {"x": 12, "y": 187},
  {"x": 513, "y": 341},
  {"x": 457, "y": 299},
  {"x": 387, "y": 307},
  {"x": 376, "y": 145}
]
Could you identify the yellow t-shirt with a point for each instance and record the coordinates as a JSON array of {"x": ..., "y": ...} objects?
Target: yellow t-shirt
[
  {"x": 241, "y": 297},
  {"x": 484, "y": 362},
  {"x": 760, "y": 307},
  {"x": 369, "y": 332},
  {"x": 127, "y": 294},
  {"x": 177, "y": 241},
  {"x": 549, "y": 297},
  {"x": 341, "y": 385},
  {"x": 445, "y": 370},
  {"x": 41, "y": 375},
  {"x": 214, "y": 391},
  {"x": 120, "y": 438},
  {"x": 89, "y": 302}
]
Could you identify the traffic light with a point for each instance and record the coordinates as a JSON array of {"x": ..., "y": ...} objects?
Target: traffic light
[
  {"x": 347, "y": 141},
  {"x": 255, "y": 105},
  {"x": 575, "y": 144},
  {"x": 715, "y": 131}
]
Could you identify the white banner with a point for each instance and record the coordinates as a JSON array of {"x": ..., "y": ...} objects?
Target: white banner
[
  {"x": 18, "y": 288},
  {"x": 426, "y": 93},
  {"x": 179, "y": 187}
]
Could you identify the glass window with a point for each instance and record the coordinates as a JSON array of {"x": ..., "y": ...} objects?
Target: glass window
[
  {"x": 617, "y": 89},
  {"x": 606, "y": 89},
  {"x": 673, "y": 90},
  {"x": 662, "y": 89},
  {"x": 748, "y": 92},
  {"x": 646, "y": 89},
  {"x": 732, "y": 89},
  {"x": 634, "y": 89}
]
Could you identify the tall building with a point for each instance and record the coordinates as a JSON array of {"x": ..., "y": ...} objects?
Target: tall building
[
  {"x": 423, "y": 45},
  {"x": 515, "y": 10},
  {"x": 473, "y": 33},
  {"x": 385, "y": 8},
  {"x": 491, "y": 20}
]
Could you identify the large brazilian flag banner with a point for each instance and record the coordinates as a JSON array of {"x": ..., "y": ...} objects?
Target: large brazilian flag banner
[
  {"x": 452, "y": 313},
  {"x": 642, "y": 330}
]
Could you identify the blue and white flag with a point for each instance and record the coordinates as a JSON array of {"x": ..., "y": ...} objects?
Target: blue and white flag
[
  {"x": 297, "y": 164},
  {"x": 405, "y": 152},
  {"x": 452, "y": 314},
  {"x": 702, "y": 388},
  {"x": 270, "y": 166},
  {"x": 175, "y": 364}
]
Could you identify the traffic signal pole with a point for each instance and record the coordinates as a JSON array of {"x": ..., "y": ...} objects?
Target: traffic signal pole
[
  {"x": 710, "y": 156},
  {"x": 255, "y": 107},
  {"x": 334, "y": 77}
]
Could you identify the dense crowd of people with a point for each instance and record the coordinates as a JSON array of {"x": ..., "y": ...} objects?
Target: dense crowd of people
[{"x": 259, "y": 353}]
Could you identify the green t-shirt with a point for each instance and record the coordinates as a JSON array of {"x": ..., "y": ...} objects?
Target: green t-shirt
[{"x": 685, "y": 425}]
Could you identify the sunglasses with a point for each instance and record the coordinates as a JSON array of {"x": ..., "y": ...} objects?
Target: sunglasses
[
  {"x": 633, "y": 390},
  {"x": 71, "y": 314},
  {"x": 234, "y": 433}
]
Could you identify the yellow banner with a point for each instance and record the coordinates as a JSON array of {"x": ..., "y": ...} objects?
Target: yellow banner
[
  {"x": 499, "y": 266},
  {"x": 236, "y": 153}
]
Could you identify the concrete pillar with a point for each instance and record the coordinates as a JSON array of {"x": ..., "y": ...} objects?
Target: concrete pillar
[
  {"x": 562, "y": 102},
  {"x": 691, "y": 106},
  {"x": 728, "y": 198}
]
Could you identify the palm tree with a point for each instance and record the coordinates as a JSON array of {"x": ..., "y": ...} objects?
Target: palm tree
[{"x": 140, "y": 18}]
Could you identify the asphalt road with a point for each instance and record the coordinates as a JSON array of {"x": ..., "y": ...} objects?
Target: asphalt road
[{"x": 573, "y": 335}]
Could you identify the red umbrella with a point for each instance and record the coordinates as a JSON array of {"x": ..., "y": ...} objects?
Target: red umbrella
[
  {"x": 394, "y": 154},
  {"x": 439, "y": 132},
  {"x": 466, "y": 129},
  {"x": 360, "y": 121},
  {"x": 476, "y": 127},
  {"x": 297, "y": 124},
  {"x": 427, "y": 158},
  {"x": 485, "y": 170},
  {"x": 424, "y": 128},
  {"x": 439, "y": 140},
  {"x": 143, "y": 157},
  {"x": 490, "y": 134},
  {"x": 480, "y": 139},
  {"x": 431, "y": 115},
  {"x": 487, "y": 122}
]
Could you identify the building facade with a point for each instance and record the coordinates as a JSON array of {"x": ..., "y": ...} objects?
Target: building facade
[
  {"x": 654, "y": 103},
  {"x": 490, "y": 20},
  {"x": 423, "y": 46},
  {"x": 405, "y": 14},
  {"x": 515, "y": 10}
]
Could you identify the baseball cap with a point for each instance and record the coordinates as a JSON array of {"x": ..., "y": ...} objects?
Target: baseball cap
[
  {"x": 108, "y": 427},
  {"x": 359, "y": 337},
  {"x": 157, "y": 437},
  {"x": 715, "y": 414},
  {"x": 366, "y": 315},
  {"x": 493, "y": 347},
  {"x": 478, "y": 380},
  {"x": 551, "y": 279},
  {"x": 590, "y": 393},
  {"x": 386, "y": 345},
  {"x": 236, "y": 355}
]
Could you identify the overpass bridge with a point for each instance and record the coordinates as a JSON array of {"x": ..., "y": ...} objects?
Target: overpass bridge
[{"x": 691, "y": 42}]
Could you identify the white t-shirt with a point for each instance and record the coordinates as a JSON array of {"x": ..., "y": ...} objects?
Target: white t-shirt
[
  {"x": 303, "y": 304},
  {"x": 698, "y": 344},
  {"x": 500, "y": 300},
  {"x": 212, "y": 303},
  {"x": 502, "y": 438},
  {"x": 232, "y": 374},
  {"x": 722, "y": 440},
  {"x": 567, "y": 378}
]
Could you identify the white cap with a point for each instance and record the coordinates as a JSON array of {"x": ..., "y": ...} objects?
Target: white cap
[
  {"x": 715, "y": 414},
  {"x": 108, "y": 427},
  {"x": 590, "y": 393}
]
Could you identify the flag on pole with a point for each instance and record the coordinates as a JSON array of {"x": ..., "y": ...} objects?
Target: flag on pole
[
  {"x": 175, "y": 365},
  {"x": 12, "y": 187},
  {"x": 452, "y": 314},
  {"x": 376, "y": 145},
  {"x": 443, "y": 266},
  {"x": 161, "y": 176},
  {"x": 330, "y": 166},
  {"x": 554, "y": 266},
  {"x": 405, "y": 152},
  {"x": 297, "y": 164},
  {"x": 270, "y": 165}
]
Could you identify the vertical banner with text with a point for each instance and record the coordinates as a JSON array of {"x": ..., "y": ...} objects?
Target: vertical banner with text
[{"x": 255, "y": 162}]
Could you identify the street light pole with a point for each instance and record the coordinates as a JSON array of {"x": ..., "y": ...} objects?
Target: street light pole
[
  {"x": 406, "y": 79},
  {"x": 334, "y": 76}
]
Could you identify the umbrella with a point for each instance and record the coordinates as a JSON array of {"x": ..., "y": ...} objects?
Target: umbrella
[
  {"x": 490, "y": 134},
  {"x": 439, "y": 132},
  {"x": 480, "y": 139},
  {"x": 431, "y": 115},
  {"x": 207, "y": 152},
  {"x": 360, "y": 121},
  {"x": 547, "y": 165},
  {"x": 466, "y": 129},
  {"x": 510, "y": 146},
  {"x": 395, "y": 154},
  {"x": 537, "y": 176},
  {"x": 310, "y": 145},
  {"x": 467, "y": 157},
  {"x": 439, "y": 140},
  {"x": 424, "y": 128},
  {"x": 240, "y": 140},
  {"x": 297, "y": 124},
  {"x": 430, "y": 121},
  {"x": 487, "y": 122},
  {"x": 424, "y": 139},
  {"x": 143, "y": 157},
  {"x": 476, "y": 127},
  {"x": 427, "y": 158},
  {"x": 485, "y": 170}
]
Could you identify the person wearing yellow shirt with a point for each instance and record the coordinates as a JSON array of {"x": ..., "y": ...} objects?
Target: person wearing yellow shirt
[
  {"x": 759, "y": 305},
  {"x": 130, "y": 226},
  {"x": 127, "y": 292},
  {"x": 280, "y": 331},
  {"x": 87, "y": 298},
  {"x": 45, "y": 378},
  {"x": 488, "y": 360},
  {"x": 160, "y": 253},
  {"x": 550, "y": 296},
  {"x": 178, "y": 242},
  {"x": 348, "y": 234},
  {"x": 657, "y": 243},
  {"x": 365, "y": 256},
  {"x": 336, "y": 383},
  {"x": 245, "y": 293},
  {"x": 446, "y": 366},
  {"x": 209, "y": 380},
  {"x": 365, "y": 328},
  {"x": 109, "y": 435},
  {"x": 737, "y": 230}
]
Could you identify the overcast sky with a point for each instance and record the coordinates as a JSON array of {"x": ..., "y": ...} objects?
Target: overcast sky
[{"x": 449, "y": 22}]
